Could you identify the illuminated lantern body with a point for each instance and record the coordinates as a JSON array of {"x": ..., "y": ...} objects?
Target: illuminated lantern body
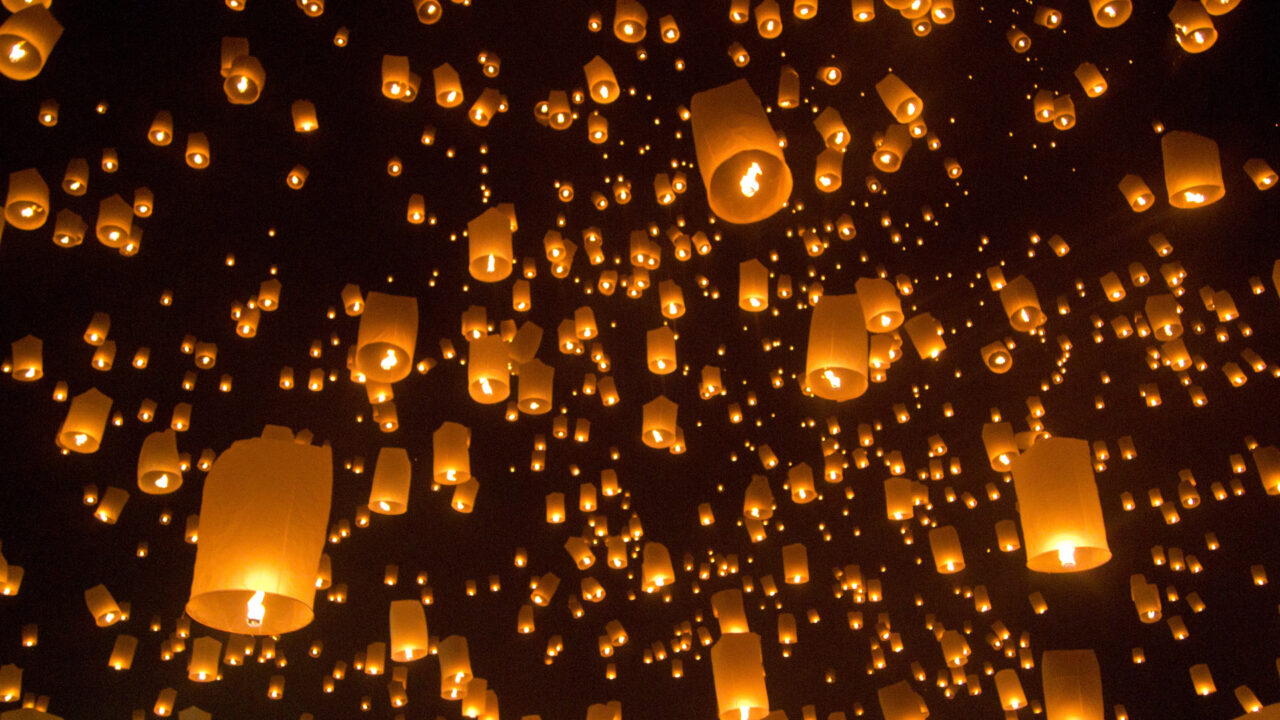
[
  {"x": 661, "y": 350},
  {"x": 488, "y": 379},
  {"x": 1192, "y": 169},
  {"x": 203, "y": 664},
  {"x": 28, "y": 359},
  {"x": 899, "y": 702},
  {"x": 448, "y": 87},
  {"x": 1192, "y": 26},
  {"x": 926, "y": 334},
  {"x": 455, "y": 666},
  {"x": 387, "y": 337},
  {"x": 901, "y": 101},
  {"x": 536, "y": 378},
  {"x": 263, "y": 519},
  {"x": 1111, "y": 13},
  {"x": 26, "y": 39},
  {"x": 1009, "y": 687},
  {"x": 601, "y": 82},
  {"x": 948, "y": 556},
  {"x": 304, "y": 116},
  {"x": 102, "y": 606},
  {"x": 1021, "y": 305},
  {"x": 395, "y": 76},
  {"x": 629, "y": 19},
  {"x": 738, "y": 667},
  {"x": 656, "y": 568},
  {"x": 659, "y": 422},
  {"x": 86, "y": 420},
  {"x": 836, "y": 364},
  {"x": 27, "y": 205},
  {"x": 881, "y": 306},
  {"x": 1136, "y": 193},
  {"x": 451, "y": 453},
  {"x": 115, "y": 221},
  {"x": 409, "y": 638},
  {"x": 795, "y": 563},
  {"x": 489, "y": 239},
  {"x": 742, "y": 166},
  {"x": 1072, "y": 684},
  {"x": 828, "y": 173},
  {"x": 997, "y": 357},
  {"x": 244, "y": 82},
  {"x": 1058, "y": 503},
  {"x": 159, "y": 471},
  {"x": 391, "y": 479}
]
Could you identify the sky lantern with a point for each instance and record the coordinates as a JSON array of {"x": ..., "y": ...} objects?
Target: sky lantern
[
  {"x": 263, "y": 518},
  {"x": 387, "y": 337},
  {"x": 27, "y": 38},
  {"x": 743, "y": 170},
  {"x": 836, "y": 365},
  {"x": 1058, "y": 504},
  {"x": 1072, "y": 682},
  {"x": 738, "y": 668},
  {"x": 1192, "y": 170}
]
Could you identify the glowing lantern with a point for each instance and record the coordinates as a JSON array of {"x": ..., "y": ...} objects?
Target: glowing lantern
[
  {"x": 1021, "y": 305},
  {"x": 892, "y": 148},
  {"x": 1090, "y": 78},
  {"x": 900, "y": 100},
  {"x": 1111, "y": 13},
  {"x": 1192, "y": 26},
  {"x": 428, "y": 11},
  {"x": 1009, "y": 687},
  {"x": 742, "y": 166},
  {"x": 629, "y": 18},
  {"x": 899, "y": 702},
  {"x": 26, "y": 39},
  {"x": 27, "y": 204},
  {"x": 159, "y": 472},
  {"x": 115, "y": 221},
  {"x": 82, "y": 430},
  {"x": 391, "y": 478},
  {"x": 245, "y": 80},
  {"x": 455, "y": 666},
  {"x": 1072, "y": 683},
  {"x": 451, "y": 456},
  {"x": 601, "y": 82},
  {"x": 1059, "y": 506},
  {"x": 536, "y": 379},
  {"x": 828, "y": 171},
  {"x": 28, "y": 359},
  {"x": 102, "y": 606},
  {"x": 738, "y": 668},
  {"x": 836, "y": 363},
  {"x": 387, "y": 337},
  {"x": 263, "y": 515},
  {"x": 1192, "y": 170},
  {"x": 881, "y": 306},
  {"x": 948, "y": 556},
  {"x": 448, "y": 87},
  {"x": 658, "y": 428},
  {"x": 490, "y": 246},
  {"x": 926, "y": 335},
  {"x": 304, "y": 116},
  {"x": 768, "y": 19},
  {"x": 197, "y": 151},
  {"x": 488, "y": 379},
  {"x": 409, "y": 638},
  {"x": 1260, "y": 173}
]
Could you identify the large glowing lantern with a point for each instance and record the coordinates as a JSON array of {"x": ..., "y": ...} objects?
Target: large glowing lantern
[
  {"x": 26, "y": 39},
  {"x": 1059, "y": 507},
  {"x": 451, "y": 453},
  {"x": 658, "y": 428},
  {"x": 263, "y": 520},
  {"x": 1072, "y": 684},
  {"x": 86, "y": 420},
  {"x": 1110, "y": 13},
  {"x": 899, "y": 702},
  {"x": 387, "y": 337},
  {"x": 743, "y": 169},
  {"x": 409, "y": 638},
  {"x": 738, "y": 667},
  {"x": 836, "y": 365},
  {"x": 488, "y": 379},
  {"x": 489, "y": 242},
  {"x": 1192, "y": 169}
]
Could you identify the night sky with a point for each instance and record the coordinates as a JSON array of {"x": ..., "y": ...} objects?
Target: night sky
[{"x": 217, "y": 233}]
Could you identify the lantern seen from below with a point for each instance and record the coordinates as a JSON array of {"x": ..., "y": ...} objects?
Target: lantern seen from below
[
  {"x": 1061, "y": 514},
  {"x": 742, "y": 166}
]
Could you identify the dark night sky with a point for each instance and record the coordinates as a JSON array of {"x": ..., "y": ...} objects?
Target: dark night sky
[{"x": 348, "y": 226}]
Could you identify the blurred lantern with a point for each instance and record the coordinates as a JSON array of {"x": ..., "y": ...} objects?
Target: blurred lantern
[
  {"x": 409, "y": 639},
  {"x": 901, "y": 101},
  {"x": 488, "y": 379},
  {"x": 1072, "y": 683},
  {"x": 1059, "y": 506},
  {"x": 304, "y": 116},
  {"x": 1192, "y": 26},
  {"x": 1192, "y": 170},
  {"x": 263, "y": 515},
  {"x": 26, "y": 39},
  {"x": 881, "y": 306},
  {"x": 1111, "y": 13},
  {"x": 899, "y": 702},
  {"x": 742, "y": 166},
  {"x": 1136, "y": 192},
  {"x": 28, "y": 359},
  {"x": 451, "y": 455}
]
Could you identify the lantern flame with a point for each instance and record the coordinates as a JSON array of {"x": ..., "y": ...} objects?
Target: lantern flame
[
  {"x": 1067, "y": 554},
  {"x": 389, "y": 361},
  {"x": 17, "y": 52},
  {"x": 749, "y": 185},
  {"x": 255, "y": 610}
]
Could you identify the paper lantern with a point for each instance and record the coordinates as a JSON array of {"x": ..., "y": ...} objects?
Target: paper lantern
[
  {"x": 629, "y": 18},
  {"x": 304, "y": 116},
  {"x": 489, "y": 243},
  {"x": 900, "y": 100},
  {"x": 1110, "y": 13},
  {"x": 1009, "y": 687},
  {"x": 828, "y": 171},
  {"x": 536, "y": 378},
  {"x": 658, "y": 428},
  {"x": 892, "y": 148},
  {"x": 1090, "y": 78},
  {"x": 881, "y": 305},
  {"x": 263, "y": 516},
  {"x": 391, "y": 478},
  {"x": 488, "y": 380},
  {"x": 82, "y": 430},
  {"x": 1021, "y": 305},
  {"x": 26, "y": 39},
  {"x": 836, "y": 363},
  {"x": 122, "y": 652},
  {"x": 429, "y": 12},
  {"x": 455, "y": 666},
  {"x": 387, "y": 337},
  {"x": 948, "y": 556},
  {"x": 997, "y": 357},
  {"x": 737, "y": 666},
  {"x": 245, "y": 80},
  {"x": 102, "y": 606},
  {"x": 1136, "y": 193},
  {"x": 753, "y": 286},
  {"x": 68, "y": 229},
  {"x": 115, "y": 221},
  {"x": 742, "y": 166},
  {"x": 1058, "y": 504},
  {"x": 197, "y": 151},
  {"x": 1072, "y": 683},
  {"x": 661, "y": 350},
  {"x": 601, "y": 82},
  {"x": 202, "y": 666},
  {"x": 448, "y": 87},
  {"x": 768, "y": 19},
  {"x": 451, "y": 455},
  {"x": 1267, "y": 459},
  {"x": 1192, "y": 26},
  {"x": 27, "y": 204},
  {"x": 899, "y": 702},
  {"x": 409, "y": 640},
  {"x": 656, "y": 568},
  {"x": 28, "y": 359},
  {"x": 158, "y": 465},
  {"x": 1192, "y": 170},
  {"x": 1260, "y": 173}
]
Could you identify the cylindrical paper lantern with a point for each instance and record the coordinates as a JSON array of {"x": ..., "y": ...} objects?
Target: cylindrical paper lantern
[
  {"x": 1058, "y": 503},
  {"x": 1192, "y": 170},
  {"x": 742, "y": 166},
  {"x": 27, "y": 204},
  {"x": 391, "y": 478},
  {"x": 387, "y": 337},
  {"x": 738, "y": 668},
  {"x": 489, "y": 242},
  {"x": 158, "y": 465},
  {"x": 836, "y": 363},
  {"x": 488, "y": 379},
  {"x": 86, "y": 420}
]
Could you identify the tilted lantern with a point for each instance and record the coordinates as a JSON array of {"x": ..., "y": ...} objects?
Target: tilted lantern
[
  {"x": 86, "y": 420},
  {"x": 1058, "y": 503},
  {"x": 742, "y": 166},
  {"x": 451, "y": 453},
  {"x": 901, "y": 101},
  {"x": 1111, "y": 13},
  {"x": 409, "y": 640},
  {"x": 629, "y": 19},
  {"x": 27, "y": 205},
  {"x": 263, "y": 518}
]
